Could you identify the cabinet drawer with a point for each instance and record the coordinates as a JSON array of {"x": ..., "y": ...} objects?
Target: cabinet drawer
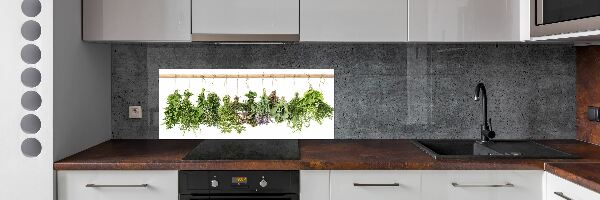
[
  {"x": 117, "y": 185},
  {"x": 482, "y": 185},
  {"x": 560, "y": 189},
  {"x": 377, "y": 185}
]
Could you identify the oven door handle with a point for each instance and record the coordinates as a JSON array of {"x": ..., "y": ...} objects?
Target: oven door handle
[{"x": 245, "y": 196}]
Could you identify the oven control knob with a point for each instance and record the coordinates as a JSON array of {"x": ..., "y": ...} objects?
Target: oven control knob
[
  {"x": 214, "y": 183},
  {"x": 263, "y": 183}
]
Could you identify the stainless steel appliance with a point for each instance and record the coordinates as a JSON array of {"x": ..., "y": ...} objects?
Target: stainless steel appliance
[
  {"x": 232, "y": 185},
  {"x": 553, "y": 17}
]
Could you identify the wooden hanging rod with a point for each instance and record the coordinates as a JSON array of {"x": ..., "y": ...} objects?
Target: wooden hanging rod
[{"x": 246, "y": 76}]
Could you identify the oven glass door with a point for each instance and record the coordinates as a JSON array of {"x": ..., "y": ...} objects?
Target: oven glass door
[
  {"x": 240, "y": 197},
  {"x": 554, "y": 11}
]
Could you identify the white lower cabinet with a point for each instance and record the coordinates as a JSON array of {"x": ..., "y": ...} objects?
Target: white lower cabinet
[
  {"x": 560, "y": 189},
  {"x": 375, "y": 185},
  {"x": 314, "y": 184},
  {"x": 482, "y": 185},
  {"x": 117, "y": 185}
]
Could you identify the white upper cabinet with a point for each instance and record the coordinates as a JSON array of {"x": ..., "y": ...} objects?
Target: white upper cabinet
[
  {"x": 353, "y": 20},
  {"x": 245, "y": 20},
  {"x": 136, "y": 20},
  {"x": 468, "y": 20}
]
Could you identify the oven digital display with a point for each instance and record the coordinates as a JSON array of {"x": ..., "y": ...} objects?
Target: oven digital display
[{"x": 239, "y": 181}]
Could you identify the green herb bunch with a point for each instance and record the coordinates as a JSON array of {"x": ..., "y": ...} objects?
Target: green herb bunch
[
  {"x": 211, "y": 109},
  {"x": 279, "y": 110},
  {"x": 263, "y": 109},
  {"x": 249, "y": 109},
  {"x": 230, "y": 115},
  {"x": 315, "y": 106},
  {"x": 228, "y": 118},
  {"x": 189, "y": 114},
  {"x": 172, "y": 114},
  {"x": 297, "y": 118}
]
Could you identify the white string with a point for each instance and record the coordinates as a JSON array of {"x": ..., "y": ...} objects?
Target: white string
[
  {"x": 247, "y": 85},
  {"x": 308, "y": 80},
  {"x": 262, "y": 81},
  {"x": 175, "y": 83},
  {"x": 272, "y": 84}
]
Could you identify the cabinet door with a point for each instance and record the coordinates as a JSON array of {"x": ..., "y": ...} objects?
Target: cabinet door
[
  {"x": 482, "y": 185},
  {"x": 560, "y": 189},
  {"x": 117, "y": 185},
  {"x": 314, "y": 185},
  {"x": 353, "y": 20},
  {"x": 468, "y": 20},
  {"x": 376, "y": 185},
  {"x": 245, "y": 17},
  {"x": 136, "y": 20}
]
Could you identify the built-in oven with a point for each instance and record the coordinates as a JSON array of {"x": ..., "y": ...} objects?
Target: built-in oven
[
  {"x": 236, "y": 185},
  {"x": 554, "y": 17}
]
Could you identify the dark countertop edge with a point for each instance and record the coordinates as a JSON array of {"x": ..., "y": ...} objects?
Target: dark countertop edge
[
  {"x": 296, "y": 165},
  {"x": 574, "y": 177}
]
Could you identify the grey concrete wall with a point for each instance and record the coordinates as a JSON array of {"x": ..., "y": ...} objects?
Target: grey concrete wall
[{"x": 382, "y": 90}]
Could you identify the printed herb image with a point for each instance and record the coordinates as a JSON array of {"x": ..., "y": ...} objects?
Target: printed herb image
[{"x": 237, "y": 114}]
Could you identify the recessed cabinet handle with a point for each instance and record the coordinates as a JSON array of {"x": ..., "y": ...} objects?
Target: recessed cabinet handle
[
  {"x": 560, "y": 194},
  {"x": 492, "y": 185},
  {"x": 115, "y": 186},
  {"x": 376, "y": 184}
]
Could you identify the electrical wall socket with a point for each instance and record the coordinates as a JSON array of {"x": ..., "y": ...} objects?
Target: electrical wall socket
[{"x": 135, "y": 112}]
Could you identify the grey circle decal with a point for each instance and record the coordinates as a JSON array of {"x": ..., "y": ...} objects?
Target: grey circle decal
[
  {"x": 31, "y": 100},
  {"x": 31, "y": 8},
  {"x": 31, "y": 77},
  {"x": 31, "y": 54},
  {"x": 31, "y": 124},
  {"x": 31, "y": 147},
  {"x": 31, "y": 30}
]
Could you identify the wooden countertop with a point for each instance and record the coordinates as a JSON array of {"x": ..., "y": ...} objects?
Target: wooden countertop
[
  {"x": 331, "y": 155},
  {"x": 584, "y": 174},
  {"x": 314, "y": 154}
]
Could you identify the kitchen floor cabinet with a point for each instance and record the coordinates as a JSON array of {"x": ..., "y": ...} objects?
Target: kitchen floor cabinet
[
  {"x": 353, "y": 20},
  {"x": 117, "y": 185},
  {"x": 314, "y": 184},
  {"x": 423, "y": 184},
  {"x": 482, "y": 185},
  {"x": 560, "y": 189},
  {"x": 375, "y": 184}
]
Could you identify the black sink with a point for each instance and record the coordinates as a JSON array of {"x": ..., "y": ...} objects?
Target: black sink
[{"x": 471, "y": 149}]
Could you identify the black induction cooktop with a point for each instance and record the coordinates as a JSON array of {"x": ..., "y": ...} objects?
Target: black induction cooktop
[{"x": 245, "y": 150}]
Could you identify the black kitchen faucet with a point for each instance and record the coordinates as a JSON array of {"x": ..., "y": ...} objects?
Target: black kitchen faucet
[{"x": 486, "y": 128}]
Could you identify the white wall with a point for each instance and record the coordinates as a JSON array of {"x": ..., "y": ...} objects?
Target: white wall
[
  {"x": 82, "y": 75},
  {"x": 21, "y": 177}
]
